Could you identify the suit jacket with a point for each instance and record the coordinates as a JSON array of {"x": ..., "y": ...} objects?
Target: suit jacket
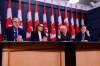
[
  {"x": 65, "y": 38},
  {"x": 79, "y": 37},
  {"x": 35, "y": 36},
  {"x": 10, "y": 34}
]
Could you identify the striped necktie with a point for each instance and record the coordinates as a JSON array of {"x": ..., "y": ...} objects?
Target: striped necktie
[
  {"x": 15, "y": 36},
  {"x": 83, "y": 36}
]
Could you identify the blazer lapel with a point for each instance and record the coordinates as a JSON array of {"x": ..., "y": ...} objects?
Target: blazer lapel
[
  {"x": 37, "y": 35},
  {"x": 12, "y": 33},
  {"x": 19, "y": 31}
]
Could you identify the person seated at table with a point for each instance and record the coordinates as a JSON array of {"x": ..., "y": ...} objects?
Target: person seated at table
[
  {"x": 39, "y": 34},
  {"x": 15, "y": 33},
  {"x": 63, "y": 35},
  {"x": 83, "y": 35}
]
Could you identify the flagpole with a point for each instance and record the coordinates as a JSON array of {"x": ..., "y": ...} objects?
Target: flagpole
[
  {"x": 76, "y": 18},
  {"x": 9, "y": 15},
  {"x": 72, "y": 25},
  {"x": 66, "y": 5},
  {"x": 36, "y": 21},
  {"x": 29, "y": 26},
  {"x": 51, "y": 1},
  {"x": 82, "y": 17},
  {"x": 8, "y": 24},
  {"x": 59, "y": 18},
  {"x": 20, "y": 14},
  {"x": 0, "y": 29},
  {"x": 45, "y": 20},
  {"x": 77, "y": 22},
  {"x": 59, "y": 32},
  {"x": 66, "y": 23},
  {"x": 52, "y": 24}
]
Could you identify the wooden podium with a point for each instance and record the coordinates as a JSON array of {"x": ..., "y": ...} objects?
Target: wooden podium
[{"x": 50, "y": 54}]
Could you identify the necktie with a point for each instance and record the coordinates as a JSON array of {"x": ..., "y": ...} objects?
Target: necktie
[
  {"x": 83, "y": 36},
  {"x": 15, "y": 34}
]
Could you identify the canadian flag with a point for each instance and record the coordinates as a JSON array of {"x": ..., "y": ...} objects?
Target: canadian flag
[
  {"x": 52, "y": 26},
  {"x": 36, "y": 22},
  {"x": 9, "y": 15},
  {"x": 29, "y": 27},
  {"x": 0, "y": 30},
  {"x": 66, "y": 23},
  {"x": 20, "y": 14},
  {"x": 45, "y": 20},
  {"x": 59, "y": 19},
  {"x": 72, "y": 25},
  {"x": 82, "y": 18},
  {"x": 77, "y": 22}
]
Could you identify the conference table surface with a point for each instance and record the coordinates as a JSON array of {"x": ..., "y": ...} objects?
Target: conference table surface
[
  {"x": 70, "y": 48},
  {"x": 50, "y": 45}
]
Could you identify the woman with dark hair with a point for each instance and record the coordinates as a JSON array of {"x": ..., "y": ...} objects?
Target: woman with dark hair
[{"x": 39, "y": 34}]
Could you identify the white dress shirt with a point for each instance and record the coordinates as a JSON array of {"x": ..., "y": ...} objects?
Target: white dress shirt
[{"x": 40, "y": 36}]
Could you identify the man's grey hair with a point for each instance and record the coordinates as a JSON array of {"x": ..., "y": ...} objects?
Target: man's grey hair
[{"x": 63, "y": 27}]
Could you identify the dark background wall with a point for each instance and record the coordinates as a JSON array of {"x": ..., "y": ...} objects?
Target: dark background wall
[
  {"x": 92, "y": 21},
  {"x": 14, "y": 5}
]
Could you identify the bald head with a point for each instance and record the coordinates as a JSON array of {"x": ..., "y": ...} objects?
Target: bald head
[{"x": 63, "y": 29}]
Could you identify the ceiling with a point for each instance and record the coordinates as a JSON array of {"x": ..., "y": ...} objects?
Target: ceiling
[{"x": 87, "y": 2}]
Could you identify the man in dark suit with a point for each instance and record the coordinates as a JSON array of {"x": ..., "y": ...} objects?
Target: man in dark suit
[
  {"x": 84, "y": 35},
  {"x": 39, "y": 34},
  {"x": 64, "y": 35},
  {"x": 15, "y": 33}
]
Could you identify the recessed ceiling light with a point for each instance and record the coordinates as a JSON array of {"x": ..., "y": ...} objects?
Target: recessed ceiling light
[{"x": 73, "y": 1}]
